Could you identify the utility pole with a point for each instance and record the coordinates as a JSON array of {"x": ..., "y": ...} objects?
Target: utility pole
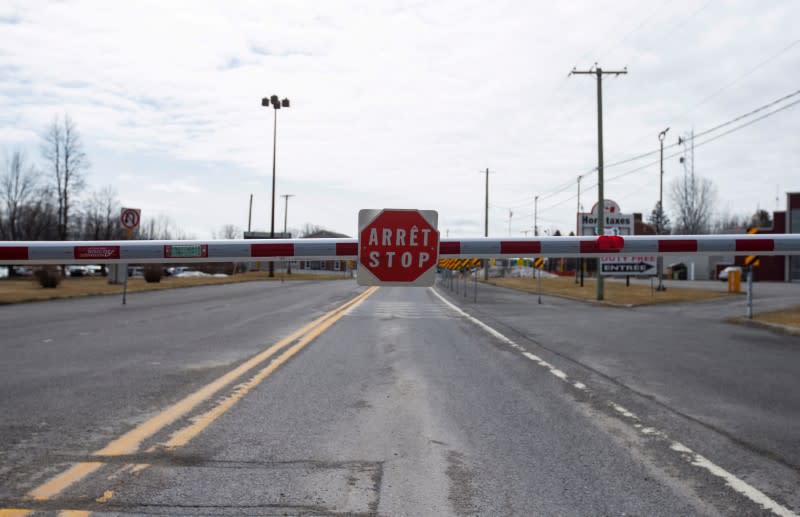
[
  {"x": 486, "y": 223},
  {"x": 285, "y": 210},
  {"x": 535, "y": 216},
  {"x": 250, "y": 213},
  {"x": 510, "y": 214},
  {"x": 601, "y": 211}
]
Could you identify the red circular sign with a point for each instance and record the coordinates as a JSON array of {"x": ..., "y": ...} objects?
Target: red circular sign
[
  {"x": 129, "y": 218},
  {"x": 398, "y": 246}
]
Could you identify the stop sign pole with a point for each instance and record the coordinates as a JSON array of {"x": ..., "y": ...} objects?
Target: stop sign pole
[{"x": 397, "y": 247}]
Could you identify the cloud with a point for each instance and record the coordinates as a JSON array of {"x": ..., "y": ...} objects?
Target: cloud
[
  {"x": 402, "y": 104},
  {"x": 175, "y": 187}
]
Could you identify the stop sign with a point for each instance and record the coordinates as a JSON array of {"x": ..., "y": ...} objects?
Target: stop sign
[{"x": 397, "y": 247}]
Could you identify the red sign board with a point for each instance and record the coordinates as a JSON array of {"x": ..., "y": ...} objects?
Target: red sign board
[
  {"x": 397, "y": 247},
  {"x": 96, "y": 252}
]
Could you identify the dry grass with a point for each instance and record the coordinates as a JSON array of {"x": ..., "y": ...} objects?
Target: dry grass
[
  {"x": 28, "y": 290},
  {"x": 615, "y": 292},
  {"x": 787, "y": 317}
]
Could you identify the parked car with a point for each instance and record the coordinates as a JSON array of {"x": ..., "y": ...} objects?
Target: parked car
[
  {"x": 77, "y": 271},
  {"x": 723, "y": 275},
  {"x": 93, "y": 269}
]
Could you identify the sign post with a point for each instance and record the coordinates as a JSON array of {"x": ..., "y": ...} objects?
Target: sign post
[
  {"x": 129, "y": 218},
  {"x": 750, "y": 292},
  {"x": 397, "y": 247}
]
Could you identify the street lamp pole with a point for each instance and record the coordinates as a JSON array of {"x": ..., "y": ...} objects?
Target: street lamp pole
[
  {"x": 276, "y": 105},
  {"x": 535, "y": 215},
  {"x": 660, "y": 226}
]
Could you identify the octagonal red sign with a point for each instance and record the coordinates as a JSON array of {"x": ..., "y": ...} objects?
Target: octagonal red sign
[{"x": 397, "y": 247}]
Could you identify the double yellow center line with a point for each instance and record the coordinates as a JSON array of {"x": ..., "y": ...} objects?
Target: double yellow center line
[{"x": 131, "y": 441}]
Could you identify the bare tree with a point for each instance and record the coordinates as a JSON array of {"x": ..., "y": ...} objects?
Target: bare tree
[
  {"x": 228, "y": 231},
  {"x": 63, "y": 151},
  {"x": 101, "y": 215},
  {"x": 310, "y": 229},
  {"x": 728, "y": 223},
  {"x": 17, "y": 187},
  {"x": 659, "y": 219},
  {"x": 761, "y": 219},
  {"x": 161, "y": 227},
  {"x": 38, "y": 218},
  {"x": 694, "y": 198}
]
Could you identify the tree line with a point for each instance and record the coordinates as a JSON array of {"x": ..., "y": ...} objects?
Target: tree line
[
  {"x": 695, "y": 199},
  {"x": 48, "y": 198}
]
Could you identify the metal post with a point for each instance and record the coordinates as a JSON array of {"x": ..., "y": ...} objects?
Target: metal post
[
  {"x": 535, "y": 215},
  {"x": 539, "y": 274},
  {"x": 125, "y": 285},
  {"x": 285, "y": 220},
  {"x": 750, "y": 292},
  {"x": 475, "y": 282},
  {"x": 578, "y": 226},
  {"x": 128, "y": 235},
  {"x": 486, "y": 225},
  {"x": 465, "y": 284},
  {"x": 660, "y": 259}
]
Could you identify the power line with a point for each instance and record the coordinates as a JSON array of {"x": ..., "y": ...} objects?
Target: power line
[
  {"x": 700, "y": 144},
  {"x": 707, "y": 131},
  {"x": 759, "y": 65},
  {"x": 739, "y": 78},
  {"x": 750, "y": 113}
]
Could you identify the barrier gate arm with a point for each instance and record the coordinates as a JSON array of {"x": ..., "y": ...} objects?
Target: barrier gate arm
[{"x": 250, "y": 250}]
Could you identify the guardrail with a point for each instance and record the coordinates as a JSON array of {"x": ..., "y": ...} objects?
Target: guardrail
[{"x": 141, "y": 252}]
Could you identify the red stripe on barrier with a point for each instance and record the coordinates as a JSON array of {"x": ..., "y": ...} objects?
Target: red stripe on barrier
[
  {"x": 755, "y": 245},
  {"x": 272, "y": 250},
  {"x": 347, "y": 248},
  {"x": 14, "y": 253},
  {"x": 520, "y": 247},
  {"x": 449, "y": 248},
  {"x": 603, "y": 244},
  {"x": 677, "y": 246},
  {"x": 95, "y": 252}
]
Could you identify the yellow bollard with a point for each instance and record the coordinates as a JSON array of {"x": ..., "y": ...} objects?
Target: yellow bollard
[{"x": 734, "y": 281}]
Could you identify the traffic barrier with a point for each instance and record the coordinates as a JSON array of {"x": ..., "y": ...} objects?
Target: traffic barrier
[{"x": 182, "y": 252}]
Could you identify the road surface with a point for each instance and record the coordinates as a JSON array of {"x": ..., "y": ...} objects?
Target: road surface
[{"x": 323, "y": 398}]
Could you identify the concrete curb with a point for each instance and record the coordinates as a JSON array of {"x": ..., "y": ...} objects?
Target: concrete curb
[{"x": 773, "y": 327}]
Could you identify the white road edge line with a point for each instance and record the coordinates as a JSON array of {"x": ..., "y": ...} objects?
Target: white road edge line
[{"x": 686, "y": 453}]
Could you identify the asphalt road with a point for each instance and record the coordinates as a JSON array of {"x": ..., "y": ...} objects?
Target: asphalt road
[{"x": 397, "y": 402}]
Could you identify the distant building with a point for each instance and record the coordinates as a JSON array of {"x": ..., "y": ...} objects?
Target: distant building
[
  {"x": 325, "y": 265},
  {"x": 780, "y": 268}
]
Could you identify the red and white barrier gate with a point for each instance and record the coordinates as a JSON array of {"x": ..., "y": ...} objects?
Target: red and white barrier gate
[{"x": 182, "y": 252}]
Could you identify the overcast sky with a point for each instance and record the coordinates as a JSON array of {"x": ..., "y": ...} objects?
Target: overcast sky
[{"x": 402, "y": 104}]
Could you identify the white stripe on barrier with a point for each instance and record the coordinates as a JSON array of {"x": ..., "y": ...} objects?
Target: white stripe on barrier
[{"x": 110, "y": 252}]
